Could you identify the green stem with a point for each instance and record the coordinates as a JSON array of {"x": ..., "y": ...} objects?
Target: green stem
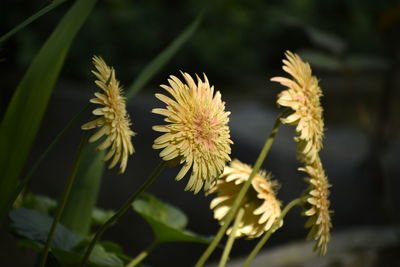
[
  {"x": 121, "y": 212},
  {"x": 273, "y": 228},
  {"x": 30, "y": 20},
  {"x": 228, "y": 219},
  {"x": 60, "y": 209},
  {"x": 143, "y": 254},
  {"x": 231, "y": 239},
  {"x": 39, "y": 161}
]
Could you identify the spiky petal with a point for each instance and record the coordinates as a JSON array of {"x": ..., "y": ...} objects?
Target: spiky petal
[
  {"x": 303, "y": 97},
  {"x": 197, "y": 134},
  {"x": 260, "y": 205},
  {"x": 317, "y": 206},
  {"x": 113, "y": 119}
]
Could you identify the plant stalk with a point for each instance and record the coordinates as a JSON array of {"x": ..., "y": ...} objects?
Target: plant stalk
[
  {"x": 142, "y": 255},
  {"x": 273, "y": 228},
  {"x": 66, "y": 193},
  {"x": 228, "y": 219},
  {"x": 121, "y": 212},
  {"x": 231, "y": 239}
]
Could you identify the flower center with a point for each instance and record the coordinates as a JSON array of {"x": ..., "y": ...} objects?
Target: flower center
[{"x": 205, "y": 132}]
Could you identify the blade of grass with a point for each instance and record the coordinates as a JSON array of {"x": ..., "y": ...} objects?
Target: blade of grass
[
  {"x": 25, "y": 111},
  {"x": 31, "y": 19},
  {"x": 162, "y": 59}
]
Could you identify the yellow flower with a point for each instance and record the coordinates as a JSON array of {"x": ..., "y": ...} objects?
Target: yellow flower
[
  {"x": 261, "y": 208},
  {"x": 197, "y": 135},
  {"x": 303, "y": 97},
  {"x": 317, "y": 206},
  {"x": 113, "y": 119}
]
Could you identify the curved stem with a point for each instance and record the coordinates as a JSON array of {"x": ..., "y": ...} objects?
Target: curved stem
[
  {"x": 121, "y": 212},
  {"x": 231, "y": 239},
  {"x": 143, "y": 254},
  {"x": 228, "y": 219},
  {"x": 61, "y": 206},
  {"x": 273, "y": 228}
]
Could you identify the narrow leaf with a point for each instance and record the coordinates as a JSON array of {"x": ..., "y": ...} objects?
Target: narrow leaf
[
  {"x": 158, "y": 62},
  {"x": 84, "y": 191},
  {"x": 25, "y": 111},
  {"x": 31, "y": 19}
]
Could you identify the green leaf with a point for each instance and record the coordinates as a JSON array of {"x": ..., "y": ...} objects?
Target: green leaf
[
  {"x": 25, "y": 111},
  {"x": 100, "y": 216},
  {"x": 31, "y": 19},
  {"x": 158, "y": 62},
  {"x": 34, "y": 225},
  {"x": 39, "y": 203},
  {"x": 102, "y": 257},
  {"x": 116, "y": 249},
  {"x": 48, "y": 205},
  {"x": 84, "y": 192},
  {"x": 26, "y": 243},
  {"x": 166, "y": 221},
  {"x": 99, "y": 258}
]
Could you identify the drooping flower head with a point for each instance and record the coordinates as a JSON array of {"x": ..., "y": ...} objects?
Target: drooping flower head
[
  {"x": 260, "y": 205},
  {"x": 317, "y": 206},
  {"x": 197, "y": 134},
  {"x": 113, "y": 119},
  {"x": 303, "y": 97}
]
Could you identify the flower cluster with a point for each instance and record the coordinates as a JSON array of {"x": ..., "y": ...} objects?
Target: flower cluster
[
  {"x": 260, "y": 205},
  {"x": 197, "y": 134},
  {"x": 303, "y": 97},
  {"x": 113, "y": 119}
]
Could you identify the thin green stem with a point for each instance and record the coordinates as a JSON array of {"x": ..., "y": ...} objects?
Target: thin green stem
[
  {"x": 231, "y": 239},
  {"x": 121, "y": 212},
  {"x": 228, "y": 219},
  {"x": 39, "y": 161},
  {"x": 273, "y": 228},
  {"x": 66, "y": 193},
  {"x": 31, "y": 19},
  {"x": 142, "y": 255}
]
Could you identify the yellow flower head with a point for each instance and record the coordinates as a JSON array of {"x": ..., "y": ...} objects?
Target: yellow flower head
[
  {"x": 113, "y": 119},
  {"x": 261, "y": 208},
  {"x": 197, "y": 135},
  {"x": 317, "y": 206},
  {"x": 303, "y": 97}
]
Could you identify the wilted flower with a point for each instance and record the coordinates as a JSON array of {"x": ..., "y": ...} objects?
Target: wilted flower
[
  {"x": 303, "y": 97},
  {"x": 113, "y": 119},
  {"x": 317, "y": 206},
  {"x": 197, "y": 135},
  {"x": 260, "y": 205}
]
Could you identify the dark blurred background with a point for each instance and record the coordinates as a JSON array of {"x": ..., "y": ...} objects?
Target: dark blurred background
[{"x": 352, "y": 46}]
